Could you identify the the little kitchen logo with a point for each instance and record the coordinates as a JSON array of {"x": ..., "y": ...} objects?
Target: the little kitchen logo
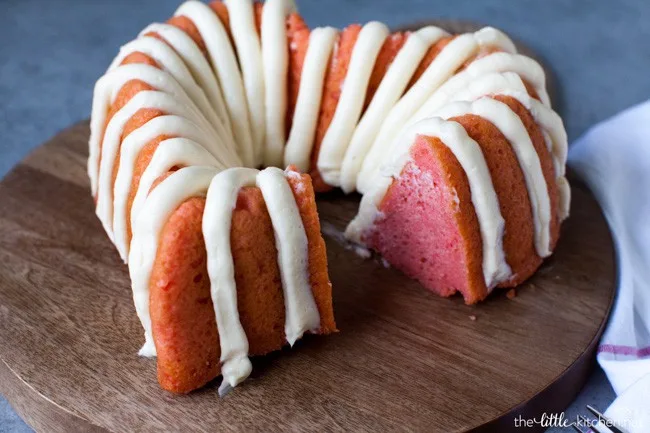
[{"x": 549, "y": 420}]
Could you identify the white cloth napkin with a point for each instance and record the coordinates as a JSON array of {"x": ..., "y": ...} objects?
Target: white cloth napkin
[{"x": 613, "y": 158}]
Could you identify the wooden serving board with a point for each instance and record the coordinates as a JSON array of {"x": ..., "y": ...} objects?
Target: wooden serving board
[{"x": 404, "y": 359}]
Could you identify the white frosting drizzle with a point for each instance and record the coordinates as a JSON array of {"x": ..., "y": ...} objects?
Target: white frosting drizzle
[
  {"x": 115, "y": 210},
  {"x": 170, "y": 62},
  {"x": 275, "y": 57},
  {"x": 105, "y": 92},
  {"x": 111, "y": 145},
  {"x": 484, "y": 198},
  {"x": 305, "y": 118},
  {"x": 491, "y": 37},
  {"x": 452, "y": 57},
  {"x": 551, "y": 122},
  {"x": 291, "y": 241},
  {"x": 161, "y": 203},
  {"x": 511, "y": 126},
  {"x": 197, "y": 64},
  {"x": 556, "y": 140},
  {"x": 490, "y": 84},
  {"x": 525, "y": 67},
  {"x": 510, "y": 84},
  {"x": 179, "y": 152},
  {"x": 350, "y": 104},
  {"x": 293, "y": 257},
  {"x": 389, "y": 91},
  {"x": 226, "y": 68},
  {"x": 217, "y": 222},
  {"x": 247, "y": 43}
]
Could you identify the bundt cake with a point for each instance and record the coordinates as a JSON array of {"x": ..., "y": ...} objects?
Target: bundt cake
[{"x": 449, "y": 138}]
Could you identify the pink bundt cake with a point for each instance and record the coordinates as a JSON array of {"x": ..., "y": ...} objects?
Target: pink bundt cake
[{"x": 450, "y": 139}]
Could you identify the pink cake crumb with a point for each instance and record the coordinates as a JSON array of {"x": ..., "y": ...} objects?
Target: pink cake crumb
[{"x": 418, "y": 232}]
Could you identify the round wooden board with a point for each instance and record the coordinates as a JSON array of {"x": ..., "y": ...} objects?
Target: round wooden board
[{"x": 404, "y": 357}]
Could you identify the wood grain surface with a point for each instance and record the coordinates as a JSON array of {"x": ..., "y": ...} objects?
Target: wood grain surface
[{"x": 404, "y": 358}]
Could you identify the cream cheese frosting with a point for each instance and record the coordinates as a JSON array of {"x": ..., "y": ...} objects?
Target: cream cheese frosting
[
  {"x": 511, "y": 126},
  {"x": 390, "y": 89},
  {"x": 249, "y": 54},
  {"x": 224, "y": 63},
  {"x": 162, "y": 202},
  {"x": 303, "y": 129},
  {"x": 169, "y": 61},
  {"x": 275, "y": 61},
  {"x": 350, "y": 104},
  {"x": 452, "y": 57},
  {"x": 291, "y": 240},
  {"x": 197, "y": 63}
]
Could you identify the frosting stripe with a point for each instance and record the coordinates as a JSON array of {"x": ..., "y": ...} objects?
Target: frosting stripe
[
  {"x": 389, "y": 91},
  {"x": 291, "y": 241},
  {"x": 511, "y": 126},
  {"x": 217, "y": 222},
  {"x": 301, "y": 138},
  {"x": 161, "y": 203},
  {"x": 197, "y": 64},
  {"x": 348, "y": 109},
  {"x": 115, "y": 210},
  {"x": 557, "y": 142},
  {"x": 275, "y": 58},
  {"x": 249, "y": 52},
  {"x": 224, "y": 63}
]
